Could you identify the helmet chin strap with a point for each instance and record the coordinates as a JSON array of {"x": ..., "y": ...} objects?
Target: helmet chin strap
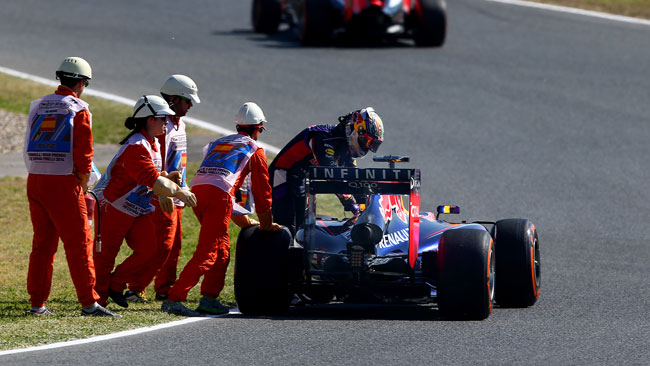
[{"x": 356, "y": 151}]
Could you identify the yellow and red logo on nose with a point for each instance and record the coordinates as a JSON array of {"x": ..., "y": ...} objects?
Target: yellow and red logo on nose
[{"x": 48, "y": 124}]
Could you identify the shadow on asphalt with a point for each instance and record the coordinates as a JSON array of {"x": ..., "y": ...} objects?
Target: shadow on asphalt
[
  {"x": 340, "y": 311},
  {"x": 286, "y": 38}
]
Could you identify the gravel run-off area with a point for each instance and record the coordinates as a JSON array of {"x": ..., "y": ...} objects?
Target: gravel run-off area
[{"x": 12, "y": 131}]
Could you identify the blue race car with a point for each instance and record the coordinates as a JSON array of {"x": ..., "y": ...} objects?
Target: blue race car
[{"x": 392, "y": 252}]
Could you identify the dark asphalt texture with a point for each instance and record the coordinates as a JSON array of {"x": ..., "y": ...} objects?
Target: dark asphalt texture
[{"x": 523, "y": 113}]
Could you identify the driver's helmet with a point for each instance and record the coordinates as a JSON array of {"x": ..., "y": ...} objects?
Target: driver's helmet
[{"x": 364, "y": 131}]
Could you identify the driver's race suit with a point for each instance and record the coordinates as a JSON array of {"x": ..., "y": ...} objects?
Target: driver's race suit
[{"x": 317, "y": 145}]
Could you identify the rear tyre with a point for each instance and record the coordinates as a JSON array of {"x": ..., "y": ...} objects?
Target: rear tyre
[
  {"x": 316, "y": 23},
  {"x": 430, "y": 23},
  {"x": 518, "y": 265},
  {"x": 466, "y": 263},
  {"x": 266, "y": 16},
  {"x": 261, "y": 271}
]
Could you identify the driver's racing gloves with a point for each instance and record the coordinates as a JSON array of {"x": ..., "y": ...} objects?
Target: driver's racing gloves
[{"x": 349, "y": 204}]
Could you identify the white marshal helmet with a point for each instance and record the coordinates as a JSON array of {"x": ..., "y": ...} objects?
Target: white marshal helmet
[
  {"x": 249, "y": 114},
  {"x": 181, "y": 85},
  {"x": 75, "y": 67},
  {"x": 151, "y": 106}
]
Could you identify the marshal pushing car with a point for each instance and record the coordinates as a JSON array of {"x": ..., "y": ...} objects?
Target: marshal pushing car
[
  {"x": 391, "y": 253},
  {"x": 317, "y": 21}
]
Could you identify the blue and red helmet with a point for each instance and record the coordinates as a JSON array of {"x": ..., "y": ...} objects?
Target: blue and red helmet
[{"x": 365, "y": 131}]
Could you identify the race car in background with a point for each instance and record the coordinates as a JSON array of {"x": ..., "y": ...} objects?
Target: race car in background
[
  {"x": 391, "y": 253},
  {"x": 317, "y": 21}
]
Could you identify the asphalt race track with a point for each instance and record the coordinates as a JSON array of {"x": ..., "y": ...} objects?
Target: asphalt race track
[{"x": 523, "y": 113}]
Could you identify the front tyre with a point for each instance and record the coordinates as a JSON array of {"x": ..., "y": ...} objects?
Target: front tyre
[
  {"x": 266, "y": 16},
  {"x": 466, "y": 274},
  {"x": 261, "y": 271},
  {"x": 518, "y": 263},
  {"x": 430, "y": 23}
]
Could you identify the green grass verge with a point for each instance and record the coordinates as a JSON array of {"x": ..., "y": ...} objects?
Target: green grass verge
[
  {"x": 22, "y": 330},
  {"x": 108, "y": 117}
]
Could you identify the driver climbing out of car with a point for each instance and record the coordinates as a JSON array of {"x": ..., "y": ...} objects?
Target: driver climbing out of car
[
  {"x": 321, "y": 145},
  {"x": 226, "y": 164}
]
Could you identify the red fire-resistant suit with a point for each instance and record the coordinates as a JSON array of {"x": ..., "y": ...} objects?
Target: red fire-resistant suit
[
  {"x": 169, "y": 233},
  {"x": 213, "y": 211},
  {"x": 133, "y": 168},
  {"x": 58, "y": 209}
]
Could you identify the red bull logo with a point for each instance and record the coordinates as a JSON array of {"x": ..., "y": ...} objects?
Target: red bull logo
[{"x": 390, "y": 203}]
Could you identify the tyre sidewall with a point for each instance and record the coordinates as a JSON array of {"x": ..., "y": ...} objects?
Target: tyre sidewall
[
  {"x": 464, "y": 262},
  {"x": 261, "y": 271},
  {"x": 518, "y": 279}
]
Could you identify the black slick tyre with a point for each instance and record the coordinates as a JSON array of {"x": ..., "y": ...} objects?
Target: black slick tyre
[
  {"x": 466, "y": 274},
  {"x": 430, "y": 23},
  {"x": 266, "y": 16},
  {"x": 261, "y": 271},
  {"x": 518, "y": 263},
  {"x": 316, "y": 23}
]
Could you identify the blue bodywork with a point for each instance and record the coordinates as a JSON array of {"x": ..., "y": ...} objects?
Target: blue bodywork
[
  {"x": 327, "y": 259},
  {"x": 332, "y": 235},
  {"x": 375, "y": 254}
]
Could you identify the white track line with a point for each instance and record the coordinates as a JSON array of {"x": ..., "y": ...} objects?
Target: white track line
[
  {"x": 116, "y": 98},
  {"x": 125, "y": 333},
  {"x": 564, "y": 9}
]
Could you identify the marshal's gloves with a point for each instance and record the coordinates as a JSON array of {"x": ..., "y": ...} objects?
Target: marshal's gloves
[
  {"x": 173, "y": 176},
  {"x": 166, "y": 187},
  {"x": 186, "y": 196},
  {"x": 166, "y": 204}
]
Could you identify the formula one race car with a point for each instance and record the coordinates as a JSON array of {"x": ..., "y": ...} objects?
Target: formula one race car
[
  {"x": 391, "y": 253},
  {"x": 316, "y": 21}
]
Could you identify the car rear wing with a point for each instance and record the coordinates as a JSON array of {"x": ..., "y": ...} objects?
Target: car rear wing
[
  {"x": 362, "y": 181},
  {"x": 356, "y": 181}
]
